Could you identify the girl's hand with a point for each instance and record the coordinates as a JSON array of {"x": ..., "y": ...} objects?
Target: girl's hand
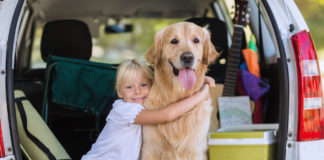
[
  {"x": 204, "y": 92},
  {"x": 210, "y": 81}
]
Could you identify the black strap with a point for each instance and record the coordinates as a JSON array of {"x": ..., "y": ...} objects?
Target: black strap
[{"x": 29, "y": 135}]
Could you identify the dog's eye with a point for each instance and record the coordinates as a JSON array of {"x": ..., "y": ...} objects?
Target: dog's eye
[
  {"x": 196, "y": 40},
  {"x": 174, "y": 41}
]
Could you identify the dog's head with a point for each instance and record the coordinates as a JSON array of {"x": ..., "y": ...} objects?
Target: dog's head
[{"x": 185, "y": 48}]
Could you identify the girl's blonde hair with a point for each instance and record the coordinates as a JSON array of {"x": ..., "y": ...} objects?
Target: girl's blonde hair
[{"x": 129, "y": 69}]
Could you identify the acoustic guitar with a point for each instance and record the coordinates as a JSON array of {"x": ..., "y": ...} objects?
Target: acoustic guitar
[
  {"x": 233, "y": 62},
  {"x": 233, "y": 59}
]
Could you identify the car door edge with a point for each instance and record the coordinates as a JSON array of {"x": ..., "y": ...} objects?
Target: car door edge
[
  {"x": 10, "y": 80},
  {"x": 283, "y": 89}
]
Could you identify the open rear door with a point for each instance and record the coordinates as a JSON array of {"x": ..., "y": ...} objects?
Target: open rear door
[{"x": 10, "y": 11}]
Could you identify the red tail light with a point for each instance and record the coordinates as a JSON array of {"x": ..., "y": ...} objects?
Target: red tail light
[
  {"x": 2, "y": 149},
  {"x": 310, "y": 101}
]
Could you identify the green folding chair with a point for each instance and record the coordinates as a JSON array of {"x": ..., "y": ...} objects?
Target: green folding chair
[{"x": 78, "y": 84}]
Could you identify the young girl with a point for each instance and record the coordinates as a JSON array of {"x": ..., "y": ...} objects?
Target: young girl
[{"x": 122, "y": 135}]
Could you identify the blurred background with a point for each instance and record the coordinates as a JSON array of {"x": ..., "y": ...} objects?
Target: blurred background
[{"x": 113, "y": 48}]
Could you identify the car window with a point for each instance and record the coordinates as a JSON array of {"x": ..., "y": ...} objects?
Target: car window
[
  {"x": 113, "y": 48},
  {"x": 269, "y": 50},
  {"x": 116, "y": 47},
  {"x": 253, "y": 27},
  {"x": 36, "y": 58}
]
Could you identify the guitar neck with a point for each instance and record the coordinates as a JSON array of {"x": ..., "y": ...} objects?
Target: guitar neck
[{"x": 233, "y": 62}]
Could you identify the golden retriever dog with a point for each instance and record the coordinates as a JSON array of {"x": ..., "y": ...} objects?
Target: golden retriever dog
[{"x": 180, "y": 56}]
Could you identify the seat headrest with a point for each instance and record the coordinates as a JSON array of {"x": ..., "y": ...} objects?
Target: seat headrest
[
  {"x": 218, "y": 32},
  {"x": 66, "y": 38}
]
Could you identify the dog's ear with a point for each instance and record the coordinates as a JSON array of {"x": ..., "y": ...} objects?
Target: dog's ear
[
  {"x": 150, "y": 55},
  {"x": 154, "y": 53},
  {"x": 210, "y": 54}
]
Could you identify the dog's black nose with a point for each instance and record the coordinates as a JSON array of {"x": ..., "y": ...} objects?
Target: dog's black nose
[{"x": 187, "y": 58}]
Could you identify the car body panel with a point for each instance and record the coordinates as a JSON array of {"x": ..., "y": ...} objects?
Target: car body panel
[
  {"x": 310, "y": 150},
  {"x": 6, "y": 14},
  {"x": 286, "y": 13}
]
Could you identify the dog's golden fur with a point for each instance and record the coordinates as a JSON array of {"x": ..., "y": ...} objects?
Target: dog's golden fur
[{"x": 186, "y": 137}]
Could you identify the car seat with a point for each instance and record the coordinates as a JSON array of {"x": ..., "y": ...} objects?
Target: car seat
[
  {"x": 71, "y": 79},
  {"x": 66, "y": 38},
  {"x": 77, "y": 90}
]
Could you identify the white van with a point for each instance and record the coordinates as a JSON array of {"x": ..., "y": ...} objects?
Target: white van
[{"x": 34, "y": 126}]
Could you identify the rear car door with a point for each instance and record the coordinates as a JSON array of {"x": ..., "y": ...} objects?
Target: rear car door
[
  {"x": 10, "y": 13},
  {"x": 282, "y": 34},
  {"x": 301, "y": 132}
]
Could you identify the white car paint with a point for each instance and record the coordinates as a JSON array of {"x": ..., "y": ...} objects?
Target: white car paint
[
  {"x": 295, "y": 150},
  {"x": 6, "y": 13}
]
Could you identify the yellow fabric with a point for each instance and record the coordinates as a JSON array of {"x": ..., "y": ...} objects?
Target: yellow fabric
[
  {"x": 25, "y": 152},
  {"x": 38, "y": 128},
  {"x": 242, "y": 152}
]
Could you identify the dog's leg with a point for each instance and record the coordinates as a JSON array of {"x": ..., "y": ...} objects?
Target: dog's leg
[
  {"x": 193, "y": 156},
  {"x": 152, "y": 147},
  {"x": 149, "y": 156}
]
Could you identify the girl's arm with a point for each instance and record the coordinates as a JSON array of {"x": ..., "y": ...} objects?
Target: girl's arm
[{"x": 174, "y": 110}]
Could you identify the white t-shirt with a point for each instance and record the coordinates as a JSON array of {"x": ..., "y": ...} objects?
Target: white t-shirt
[{"x": 120, "y": 138}]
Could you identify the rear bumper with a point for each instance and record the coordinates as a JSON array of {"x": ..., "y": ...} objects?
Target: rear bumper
[{"x": 310, "y": 150}]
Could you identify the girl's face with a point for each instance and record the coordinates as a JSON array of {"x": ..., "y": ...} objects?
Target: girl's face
[{"x": 135, "y": 91}]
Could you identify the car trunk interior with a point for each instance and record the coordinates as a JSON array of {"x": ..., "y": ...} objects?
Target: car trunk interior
[{"x": 76, "y": 128}]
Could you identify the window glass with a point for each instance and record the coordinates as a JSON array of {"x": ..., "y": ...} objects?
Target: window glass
[
  {"x": 116, "y": 47},
  {"x": 252, "y": 30},
  {"x": 36, "y": 58},
  {"x": 113, "y": 48}
]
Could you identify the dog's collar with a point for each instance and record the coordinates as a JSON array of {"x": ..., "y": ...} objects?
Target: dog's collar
[{"x": 175, "y": 70}]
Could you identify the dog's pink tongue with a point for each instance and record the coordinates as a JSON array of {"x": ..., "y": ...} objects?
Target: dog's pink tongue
[{"x": 187, "y": 78}]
